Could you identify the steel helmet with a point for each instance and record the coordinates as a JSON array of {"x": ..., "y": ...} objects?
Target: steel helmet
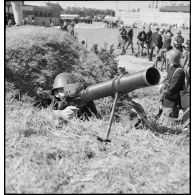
[
  {"x": 174, "y": 56},
  {"x": 168, "y": 35},
  {"x": 67, "y": 82},
  {"x": 178, "y": 32}
]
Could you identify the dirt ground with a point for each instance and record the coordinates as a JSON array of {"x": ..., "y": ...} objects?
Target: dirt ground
[{"x": 109, "y": 35}]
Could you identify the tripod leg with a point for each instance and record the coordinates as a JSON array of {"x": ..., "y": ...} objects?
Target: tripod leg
[{"x": 112, "y": 115}]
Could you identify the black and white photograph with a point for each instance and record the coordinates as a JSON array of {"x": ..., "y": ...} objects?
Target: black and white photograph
[{"x": 97, "y": 97}]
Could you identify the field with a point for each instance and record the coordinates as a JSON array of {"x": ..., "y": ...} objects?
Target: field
[{"x": 46, "y": 154}]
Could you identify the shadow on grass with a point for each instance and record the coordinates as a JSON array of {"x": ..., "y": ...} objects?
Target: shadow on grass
[{"x": 159, "y": 129}]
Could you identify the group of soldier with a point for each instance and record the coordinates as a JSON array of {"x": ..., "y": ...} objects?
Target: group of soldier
[
  {"x": 153, "y": 43},
  {"x": 175, "y": 88},
  {"x": 68, "y": 27}
]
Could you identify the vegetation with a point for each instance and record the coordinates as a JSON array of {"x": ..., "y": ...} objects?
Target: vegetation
[
  {"x": 35, "y": 55},
  {"x": 45, "y": 154},
  {"x": 88, "y": 11}
]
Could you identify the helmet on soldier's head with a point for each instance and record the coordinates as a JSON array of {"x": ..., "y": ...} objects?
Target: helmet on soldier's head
[
  {"x": 178, "y": 32},
  {"x": 168, "y": 35},
  {"x": 162, "y": 30},
  {"x": 67, "y": 82},
  {"x": 174, "y": 56}
]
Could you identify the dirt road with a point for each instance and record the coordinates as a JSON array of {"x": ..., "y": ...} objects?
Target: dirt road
[{"x": 133, "y": 64}]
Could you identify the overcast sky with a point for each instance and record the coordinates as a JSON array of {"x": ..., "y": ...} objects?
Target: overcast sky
[{"x": 96, "y": 4}]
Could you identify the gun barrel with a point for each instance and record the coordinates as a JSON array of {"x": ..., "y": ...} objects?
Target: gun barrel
[{"x": 124, "y": 84}]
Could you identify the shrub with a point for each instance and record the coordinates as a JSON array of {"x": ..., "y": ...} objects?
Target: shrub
[{"x": 35, "y": 55}]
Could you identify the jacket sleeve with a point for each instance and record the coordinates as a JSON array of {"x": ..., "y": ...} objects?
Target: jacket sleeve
[{"x": 176, "y": 83}]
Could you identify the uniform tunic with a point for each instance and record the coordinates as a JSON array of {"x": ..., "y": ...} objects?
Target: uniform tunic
[{"x": 176, "y": 82}]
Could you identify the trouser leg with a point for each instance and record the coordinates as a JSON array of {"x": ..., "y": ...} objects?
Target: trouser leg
[
  {"x": 138, "y": 47},
  {"x": 132, "y": 48},
  {"x": 151, "y": 53},
  {"x": 168, "y": 116},
  {"x": 131, "y": 43},
  {"x": 142, "y": 48}
]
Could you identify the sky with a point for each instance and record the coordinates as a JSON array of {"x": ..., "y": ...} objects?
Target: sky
[{"x": 97, "y": 4}]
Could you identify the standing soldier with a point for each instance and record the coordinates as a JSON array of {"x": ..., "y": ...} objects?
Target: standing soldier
[
  {"x": 171, "y": 100},
  {"x": 186, "y": 47},
  {"x": 154, "y": 35},
  {"x": 158, "y": 41},
  {"x": 65, "y": 26},
  {"x": 72, "y": 25},
  {"x": 185, "y": 100},
  {"x": 149, "y": 41},
  {"x": 162, "y": 53},
  {"x": 130, "y": 38},
  {"x": 140, "y": 42},
  {"x": 123, "y": 35},
  {"x": 178, "y": 42}
]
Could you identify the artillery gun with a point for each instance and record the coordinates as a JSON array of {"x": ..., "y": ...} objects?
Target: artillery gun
[{"x": 123, "y": 83}]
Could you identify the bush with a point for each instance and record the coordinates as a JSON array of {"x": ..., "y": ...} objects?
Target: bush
[{"x": 35, "y": 55}]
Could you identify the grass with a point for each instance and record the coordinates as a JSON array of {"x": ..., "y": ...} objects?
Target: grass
[
  {"x": 48, "y": 155},
  {"x": 45, "y": 154}
]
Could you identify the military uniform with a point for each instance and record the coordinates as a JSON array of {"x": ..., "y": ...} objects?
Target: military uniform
[
  {"x": 179, "y": 40},
  {"x": 171, "y": 100},
  {"x": 140, "y": 42},
  {"x": 157, "y": 43},
  {"x": 185, "y": 98},
  {"x": 66, "y": 95},
  {"x": 130, "y": 39},
  {"x": 123, "y": 35},
  {"x": 149, "y": 40},
  {"x": 162, "y": 53},
  {"x": 85, "y": 109}
]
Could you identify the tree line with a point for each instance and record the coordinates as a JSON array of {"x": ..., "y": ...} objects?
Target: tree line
[{"x": 83, "y": 12}]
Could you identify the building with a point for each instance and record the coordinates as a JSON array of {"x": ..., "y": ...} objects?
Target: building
[
  {"x": 69, "y": 18},
  {"x": 148, "y": 15},
  {"x": 38, "y": 15}
]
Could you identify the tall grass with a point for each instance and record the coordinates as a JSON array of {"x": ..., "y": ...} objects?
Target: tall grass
[{"x": 44, "y": 155}]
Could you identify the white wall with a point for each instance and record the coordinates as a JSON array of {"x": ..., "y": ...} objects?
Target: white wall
[{"x": 153, "y": 15}]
